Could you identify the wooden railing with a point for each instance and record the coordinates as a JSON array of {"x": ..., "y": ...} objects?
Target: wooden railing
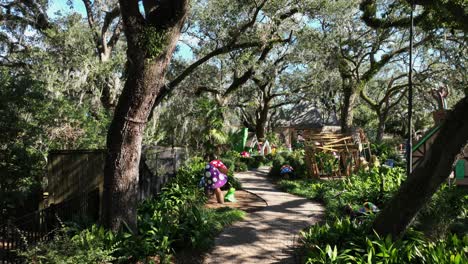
[{"x": 40, "y": 226}]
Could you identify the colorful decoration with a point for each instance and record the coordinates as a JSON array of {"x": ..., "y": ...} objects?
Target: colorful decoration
[
  {"x": 245, "y": 154},
  {"x": 230, "y": 195},
  {"x": 220, "y": 166},
  {"x": 286, "y": 169},
  {"x": 368, "y": 208},
  {"x": 213, "y": 178}
]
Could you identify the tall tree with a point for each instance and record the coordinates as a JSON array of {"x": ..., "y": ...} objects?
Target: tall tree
[
  {"x": 359, "y": 52},
  {"x": 449, "y": 14},
  {"x": 17, "y": 17},
  {"x": 106, "y": 26},
  {"x": 270, "y": 89},
  {"x": 151, "y": 40},
  {"x": 104, "y": 20},
  {"x": 426, "y": 179},
  {"x": 229, "y": 40},
  {"x": 386, "y": 93},
  {"x": 361, "y": 59}
]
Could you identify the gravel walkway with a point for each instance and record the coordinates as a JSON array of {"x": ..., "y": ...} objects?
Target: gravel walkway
[{"x": 268, "y": 235}]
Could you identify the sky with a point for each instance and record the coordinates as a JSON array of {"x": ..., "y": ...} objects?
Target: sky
[{"x": 62, "y": 6}]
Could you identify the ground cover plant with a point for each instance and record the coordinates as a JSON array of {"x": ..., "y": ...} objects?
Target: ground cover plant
[
  {"x": 174, "y": 221},
  {"x": 376, "y": 186},
  {"x": 343, "y": 241},
  {"x": 437, "y": 235}
]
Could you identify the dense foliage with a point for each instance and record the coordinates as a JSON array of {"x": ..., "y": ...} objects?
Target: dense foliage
[
  {"x": 376, "y": 186},
  {"x": 237, "y": 64},
  {"x": 294, "y": 159},
  {"x": 342, "y": 241},
  {"x": 233, "y": 159},
  {"x": 175, "y": 220},
  {"x": 438, "y": 235}
]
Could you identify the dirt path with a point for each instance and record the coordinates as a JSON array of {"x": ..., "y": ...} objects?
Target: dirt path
[{"x": 270, "y": 234}]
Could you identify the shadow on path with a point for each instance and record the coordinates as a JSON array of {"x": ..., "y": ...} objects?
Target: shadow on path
[{"x": 270, "y": 234}]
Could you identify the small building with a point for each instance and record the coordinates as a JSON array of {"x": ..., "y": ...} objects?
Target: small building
[{"x": 304, "y": 119}]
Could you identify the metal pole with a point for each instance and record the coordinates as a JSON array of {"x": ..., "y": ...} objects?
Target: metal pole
[{"x": 409, "y": 165}]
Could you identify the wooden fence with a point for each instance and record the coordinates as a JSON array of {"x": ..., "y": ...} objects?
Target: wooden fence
[
  {"x": 75, "y": 187},
  {"x": 75, "y": 172},
  {"x": 40, "y": 226}
]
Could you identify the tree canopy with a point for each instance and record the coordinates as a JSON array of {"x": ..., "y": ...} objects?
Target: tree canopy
[{"x": 121, "y": 74}]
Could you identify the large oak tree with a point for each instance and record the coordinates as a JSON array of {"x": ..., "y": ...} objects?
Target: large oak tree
[
  {"x": 426, "y": 179},
  {"x": 151, "y": 39}
]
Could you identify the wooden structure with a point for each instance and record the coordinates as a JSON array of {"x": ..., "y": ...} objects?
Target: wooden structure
[
  {"x": 304, "y": 119},
  {"x": 76, "y": 173},
  {"x": 345, "y": 147},
  {"x": 265, "y": 148},
  {"x": 74, "y": 191},
  {"x": 422, "y": 146},
  {"x": 41, "y": 226}
]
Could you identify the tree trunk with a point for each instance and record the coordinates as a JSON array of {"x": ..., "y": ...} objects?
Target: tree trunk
[
  {"x": 426, "y": 179},
  {"x": 380, "y": 127},
  {"x": 349, "y": 98},
  {"x": 261, "y": 122},
  {"x": 124, "y": 143},
  {"x": 146, "y": 74}
]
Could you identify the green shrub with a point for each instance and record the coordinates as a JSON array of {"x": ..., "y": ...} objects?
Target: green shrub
[
  {"x": 231, "y": 154},
  {"x": 278, "y": 162},
  {"x": 93, "y": 245},
  {"x": 191, "y": 173},
  {"x": 168, "y": 225},
  {"x": 230, "y": 164},
  {"x": 387, "y": 150},
  {"x": 345, "y": 241},
  {"x": 294, "y": 159},
  {"x": 232, "y": 182},
  {"x": 257, "y": 161},
  {"x": 241, "y": 166},
  {"x": 365, "y": 186},
  {"x": 230, "y": 158},
  {"x": 310, "y": 188},
  {"x": 327, "y": 162},
  {"x": 447, "y": 208},
  {"x": 176, "y": 219}
]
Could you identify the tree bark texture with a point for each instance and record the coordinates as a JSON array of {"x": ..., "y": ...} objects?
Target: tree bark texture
[
  {"x": 260, "y": 125},
  {"x": 146, "y": 75},
  {"x": 381, "y": 126},
  {"x": 347, "y": 110},
  {"x": 426, "y": 179}
]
